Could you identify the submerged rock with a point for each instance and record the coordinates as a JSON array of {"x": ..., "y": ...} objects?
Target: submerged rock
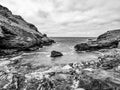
[
  {"x": 16, "y": 34},
  {"x": 56, "y": 54}
]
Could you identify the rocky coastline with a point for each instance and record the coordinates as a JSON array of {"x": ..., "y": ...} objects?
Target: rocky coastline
[
  {"x": 108, "y": 40},
  {"x": 18, "y": 35},
  {"x": 102, "y": 74}
]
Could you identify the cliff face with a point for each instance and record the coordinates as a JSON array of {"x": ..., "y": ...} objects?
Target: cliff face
[
  {"x": 108, "y": 40},
  {"x": 17, "y": 34}
]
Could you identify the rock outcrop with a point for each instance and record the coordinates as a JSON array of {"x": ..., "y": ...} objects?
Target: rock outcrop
[
  {"x": 96, "y": 46},
  {"x": 16, "y": 34},
  {"x": 56, "y": 54},
  {"x": 110, "y": 35},
  {"x": 107, "y": 40}
]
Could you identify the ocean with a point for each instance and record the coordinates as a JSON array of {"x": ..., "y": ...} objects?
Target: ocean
[{"x": 64, "y": 45}]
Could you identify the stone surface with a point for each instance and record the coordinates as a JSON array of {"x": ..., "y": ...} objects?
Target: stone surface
[
  {"x": 110, "y": 35},
  {"x": 87, "y": 75},
  {"x": 56, "y": 54},
  {"x": 16, "y": 34},
  {"x": 100, "y": 74},
  {"x": 96, "y": 46},
  {"x": 107, "y": 40}
]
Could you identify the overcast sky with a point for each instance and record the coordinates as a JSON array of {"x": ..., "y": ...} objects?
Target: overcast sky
[{"x": 68, "y": 17}]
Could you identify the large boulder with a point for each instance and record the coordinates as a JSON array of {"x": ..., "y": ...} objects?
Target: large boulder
[
  {"x": 56, "y": 54},
  {"x": 16, "y": 34}
]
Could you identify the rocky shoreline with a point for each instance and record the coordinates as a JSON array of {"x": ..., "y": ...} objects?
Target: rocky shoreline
[
  {"x": 108, "y": 40},
  {"x": 102, "y": 74},
  {"x": 17, "y": 35}
]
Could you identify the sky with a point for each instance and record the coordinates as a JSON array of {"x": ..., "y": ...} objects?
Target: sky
[{"x": 68, "y": 18}]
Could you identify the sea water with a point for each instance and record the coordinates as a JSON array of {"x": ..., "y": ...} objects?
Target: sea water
[{"x": 64, "y": 45}]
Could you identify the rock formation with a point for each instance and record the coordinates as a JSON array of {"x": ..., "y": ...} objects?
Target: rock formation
[
  {"x": 110, "y": 35},
  {"x": 96, "y": 46},
  {"x": 108, "y": 40},
  {"x": 16, "y": 34}
]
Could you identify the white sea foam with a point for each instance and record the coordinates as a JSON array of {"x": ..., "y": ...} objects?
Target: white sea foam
[
  {"x": 43, "y": 52},
  {"x": 47, "y": 55},
  {"x": 71, "y": 48},
  {"x": 58, "y": 44},
  {"x": 17, "y": 57},
  {"x": 71, "y": 53},
  {"x": 65, "y": 53}
]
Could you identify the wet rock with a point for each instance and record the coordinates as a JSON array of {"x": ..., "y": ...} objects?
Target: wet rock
[
  {"x": 46, "y": 40},
  {"x": 33, "y": 48},
  {"x": 56, "y": 54},
  {"x": 4, "y": 52}
]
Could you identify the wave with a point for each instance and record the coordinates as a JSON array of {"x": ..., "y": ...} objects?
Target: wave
[
  {"x": 71, "y": 48},
  {"x": 43, "y": 52},
  {"x": 47, "y": 55},
  {"x": 15, "y": 58},
  {"x": 58, "y": 44},
  {"x": 65, "y": 53}
]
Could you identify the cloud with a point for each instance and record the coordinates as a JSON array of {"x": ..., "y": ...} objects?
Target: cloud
[{"x": 72, "y": 17}]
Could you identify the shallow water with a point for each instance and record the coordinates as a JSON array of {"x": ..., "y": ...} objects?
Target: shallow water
[{"x": 64, "y": 45}]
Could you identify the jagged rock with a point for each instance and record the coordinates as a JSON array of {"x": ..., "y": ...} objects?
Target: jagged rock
[
  {"x": 107, "y": 40},
  {"x": 46, "y": 40},
  {"x": 110, "y": 35},
  {"x": 97, "y": 46},
  {"x": 17, "y": 34},
  {"x": 56, "y": 54}
]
